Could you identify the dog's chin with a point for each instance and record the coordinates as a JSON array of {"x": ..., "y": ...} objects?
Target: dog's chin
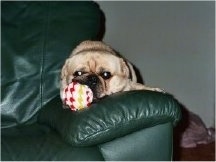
[
  {"x": 95, "y": 100},
  {"x": 97, "y": 95}
]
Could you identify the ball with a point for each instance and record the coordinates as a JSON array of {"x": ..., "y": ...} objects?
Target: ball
[{"x": 77, "y": 96}]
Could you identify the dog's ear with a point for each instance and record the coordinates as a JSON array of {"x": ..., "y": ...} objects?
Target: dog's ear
[
  {"x": 124, "y": 68},
  {"x": 66, "y": 72},
  {"x": 63, "y": 82},
  {"x": 133, "y": 75},
  {"x": 128, "y": 70}
]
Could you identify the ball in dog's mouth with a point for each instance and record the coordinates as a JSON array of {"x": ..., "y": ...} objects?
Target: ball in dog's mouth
[{"x": 77, "y": 96}]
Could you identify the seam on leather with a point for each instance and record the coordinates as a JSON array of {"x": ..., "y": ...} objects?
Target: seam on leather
[{"x": 44, "y": 43}]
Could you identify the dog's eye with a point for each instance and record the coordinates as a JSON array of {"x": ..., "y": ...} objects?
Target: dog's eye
[
  {"x": 78, "y": 73},
  {"x": 106, "y": 75}
]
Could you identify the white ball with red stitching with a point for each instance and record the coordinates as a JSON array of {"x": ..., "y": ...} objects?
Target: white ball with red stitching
[{"x": 77, "y": 96}]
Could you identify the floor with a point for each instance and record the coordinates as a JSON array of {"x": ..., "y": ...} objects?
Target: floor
[{"x": 200, "y": 153}]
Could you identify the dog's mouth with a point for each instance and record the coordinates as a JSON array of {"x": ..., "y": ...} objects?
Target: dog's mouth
[{"x": 94, "y": 83}]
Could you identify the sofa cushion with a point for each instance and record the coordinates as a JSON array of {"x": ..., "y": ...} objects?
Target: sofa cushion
[
  {"x": 36, "y": 39},
  {"x": 112, "y": 117}
]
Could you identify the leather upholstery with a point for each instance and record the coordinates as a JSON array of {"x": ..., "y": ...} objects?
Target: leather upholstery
[
  {"x": 39, "y": 143},
  {"x": 37, "y": 37},
  {"x": 149, "y": 144},
  {"x": 112, "y": 117}
]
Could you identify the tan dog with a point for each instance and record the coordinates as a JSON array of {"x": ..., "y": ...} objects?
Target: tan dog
[{"x": 95, "y": 64}]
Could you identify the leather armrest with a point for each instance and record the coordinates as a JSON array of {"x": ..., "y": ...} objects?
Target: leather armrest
[{"x": 112, "y": 117}]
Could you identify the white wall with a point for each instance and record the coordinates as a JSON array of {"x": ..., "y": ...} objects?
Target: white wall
[{"x": 171, "y": 43}]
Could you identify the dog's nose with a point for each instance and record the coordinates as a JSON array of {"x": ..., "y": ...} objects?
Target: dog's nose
[{"x": 93, "y": 79}]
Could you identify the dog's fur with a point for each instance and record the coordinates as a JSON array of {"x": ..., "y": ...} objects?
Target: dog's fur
[{"x": 97, "y": 65}]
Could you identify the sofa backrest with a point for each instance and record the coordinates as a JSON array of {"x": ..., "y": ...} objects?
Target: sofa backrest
[{"x": 37, "y": 37}]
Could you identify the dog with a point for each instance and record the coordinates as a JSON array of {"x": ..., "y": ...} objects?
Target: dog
[{"x": 97, "y": 65}]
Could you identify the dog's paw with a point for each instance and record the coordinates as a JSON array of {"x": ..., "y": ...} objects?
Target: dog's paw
[{"x": 159, "y": 90}]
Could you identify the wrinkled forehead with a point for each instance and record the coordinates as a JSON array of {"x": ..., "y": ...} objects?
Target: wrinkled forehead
[{"x": 94, "y": 61}]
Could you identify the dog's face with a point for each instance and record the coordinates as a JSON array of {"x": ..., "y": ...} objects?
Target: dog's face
[{"x": 95, "y": 64}]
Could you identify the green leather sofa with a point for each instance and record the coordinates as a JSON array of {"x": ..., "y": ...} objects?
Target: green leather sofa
[{"x": 36, "y": 39}]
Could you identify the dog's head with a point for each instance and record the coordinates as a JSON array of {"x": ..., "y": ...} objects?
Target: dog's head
[{"x": 95, "y": 64}]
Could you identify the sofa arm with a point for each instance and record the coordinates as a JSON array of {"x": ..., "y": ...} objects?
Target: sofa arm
[{"x": 114, "y": 116}]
